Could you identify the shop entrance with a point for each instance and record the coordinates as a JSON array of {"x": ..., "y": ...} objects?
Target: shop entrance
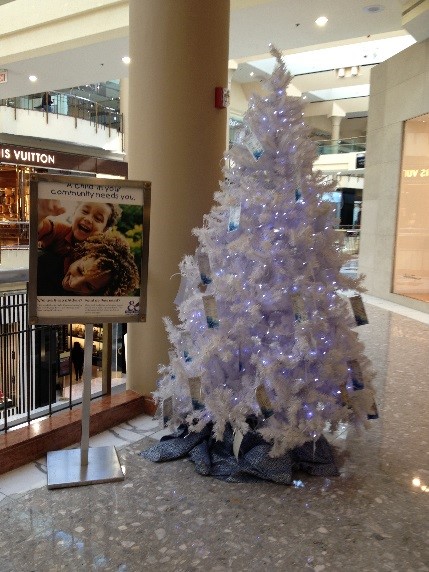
[{"x": 108, "y": 347}]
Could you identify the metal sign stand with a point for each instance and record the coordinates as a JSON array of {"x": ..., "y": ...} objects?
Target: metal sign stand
[{"x": 84, "y": 466}]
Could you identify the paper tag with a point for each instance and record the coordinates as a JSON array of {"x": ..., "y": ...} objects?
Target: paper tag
[
  {"x": 344, "y": 394},
  {"x": 356, "y": 374},
  {"x": 186, "y": 345},
  {"x": 211, "y": 311},
  {"x": 238, "y": 438},
  {"x": 167, "y": 410},
  {"x": 298, "y": 308},
  {"x": 204, "y": 268},
  {"x": 358, "y": 310},
  {"x": 264, "y": 401},
  {"x": 196, "y": 393},
  {"x": 234, "y": 218},
  {"x": 254, "y": 146},
  {"x": 180, "y": 296},
  {"x": 373, "y": 411},
  {"x": 171, "y": 356}
]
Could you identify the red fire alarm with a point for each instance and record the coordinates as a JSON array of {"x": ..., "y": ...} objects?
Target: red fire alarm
[{"x": 221, "y": 97}]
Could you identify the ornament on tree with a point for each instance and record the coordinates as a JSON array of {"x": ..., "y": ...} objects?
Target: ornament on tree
[{"x": 269, "y": 331}]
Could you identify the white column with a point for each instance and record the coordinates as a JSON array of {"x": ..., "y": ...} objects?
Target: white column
[
  {"x": 124, "y": 101},
  {"x": 179, "y": 54},
  {"x": 335, "y": 133}
]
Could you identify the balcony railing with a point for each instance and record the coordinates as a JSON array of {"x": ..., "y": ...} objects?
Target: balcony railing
[
  {"x": 36, "y": 377},
  {"x": 330, "y": 146},
  {"x": 101, "y": 114}
]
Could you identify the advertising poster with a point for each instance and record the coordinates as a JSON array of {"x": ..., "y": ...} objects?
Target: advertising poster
[{"x": 89, "y": 244}]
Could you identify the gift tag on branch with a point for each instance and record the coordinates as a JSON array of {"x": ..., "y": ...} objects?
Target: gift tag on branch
[
  {"x": 210, "y": 309},
  {"x": 358, "y": 309}
]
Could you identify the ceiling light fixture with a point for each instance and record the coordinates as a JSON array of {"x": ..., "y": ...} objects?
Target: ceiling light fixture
[
  {"x": 32, "y": 77},
  {"x": 321, "y": 21},
  {"x": 126, "y": 60},
  {"x": 351, "y": 71},
  {"x": 373, "y": 8}
]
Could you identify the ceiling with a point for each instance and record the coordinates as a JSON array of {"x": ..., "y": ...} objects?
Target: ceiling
[{"x": 358, "y": 33}]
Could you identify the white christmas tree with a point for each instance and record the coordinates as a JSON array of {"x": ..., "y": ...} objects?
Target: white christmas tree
[{"x": 265, "y": 330}]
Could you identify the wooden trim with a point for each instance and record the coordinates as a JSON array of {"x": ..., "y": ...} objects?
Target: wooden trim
[{"x": 21, "y": 446}]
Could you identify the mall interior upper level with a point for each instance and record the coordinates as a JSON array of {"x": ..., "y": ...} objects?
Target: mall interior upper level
[{"x": 333, "y": 80}]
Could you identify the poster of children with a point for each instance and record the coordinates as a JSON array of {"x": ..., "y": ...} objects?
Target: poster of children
[{"x": 88, "y": 249}]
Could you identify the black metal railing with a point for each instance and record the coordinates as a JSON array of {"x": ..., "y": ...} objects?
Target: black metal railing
[{"x": 36, "y": 373}]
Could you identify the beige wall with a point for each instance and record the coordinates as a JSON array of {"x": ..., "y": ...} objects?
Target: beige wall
[
  {"x": 33, "y": 29},
  {"x": 399, "y": 91}
]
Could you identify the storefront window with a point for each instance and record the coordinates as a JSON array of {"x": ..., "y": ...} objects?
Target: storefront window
[
  {"x": 411, "y": 268},
  {"x": 14, "y": 205}
]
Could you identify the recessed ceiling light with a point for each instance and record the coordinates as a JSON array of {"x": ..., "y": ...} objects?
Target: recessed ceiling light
[
  {"x": 252, "y": 74},
  {"x": 321, "y": 21},
  {"x": 32, "y": 77},
  {"x": 126, "y": 60},
  {"x": 373, "y": 8}
]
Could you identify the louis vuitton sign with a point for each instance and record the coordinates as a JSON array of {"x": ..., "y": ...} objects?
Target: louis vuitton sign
[
  {"x": 17, "y": 155},
  {"x": 23, "y": 157}
]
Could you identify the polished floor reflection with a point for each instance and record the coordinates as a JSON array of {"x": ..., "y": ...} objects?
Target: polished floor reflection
[{"x": 165, "y": 517}]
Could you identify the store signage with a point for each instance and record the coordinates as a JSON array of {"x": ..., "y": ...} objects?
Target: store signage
[
  {"x": 360, "y": 161},
  {"x": 3, "y": 76},
  {"x": 16, "y": 155},
  {"x": 416, "y": 173},
  {"x": 26, "y": 156}
]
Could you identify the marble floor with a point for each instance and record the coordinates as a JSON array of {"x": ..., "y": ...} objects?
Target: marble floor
[{"x": 165, "y": 517}]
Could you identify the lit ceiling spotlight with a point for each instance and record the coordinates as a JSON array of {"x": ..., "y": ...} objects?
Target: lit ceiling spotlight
[
  {"x": 321, "y": 21},
  {"x": 126, "y": 60},
  {"x": 32, "y": 77},
  {"x": 252, "y": 74}
]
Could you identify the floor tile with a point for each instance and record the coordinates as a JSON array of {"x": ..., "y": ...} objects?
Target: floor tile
[
  {"x": 142, "y": 425},
  {"x": 24, "y": 478},
  {"x": 165, "y": 517}
]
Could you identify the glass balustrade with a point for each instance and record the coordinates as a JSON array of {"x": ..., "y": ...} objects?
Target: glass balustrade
[
  {"x": 103, "y": 112},
  {"x": 351, "y": 145}
]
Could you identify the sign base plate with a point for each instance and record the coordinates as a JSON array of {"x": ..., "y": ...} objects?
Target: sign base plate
[{"x": 65, "y": 468}]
